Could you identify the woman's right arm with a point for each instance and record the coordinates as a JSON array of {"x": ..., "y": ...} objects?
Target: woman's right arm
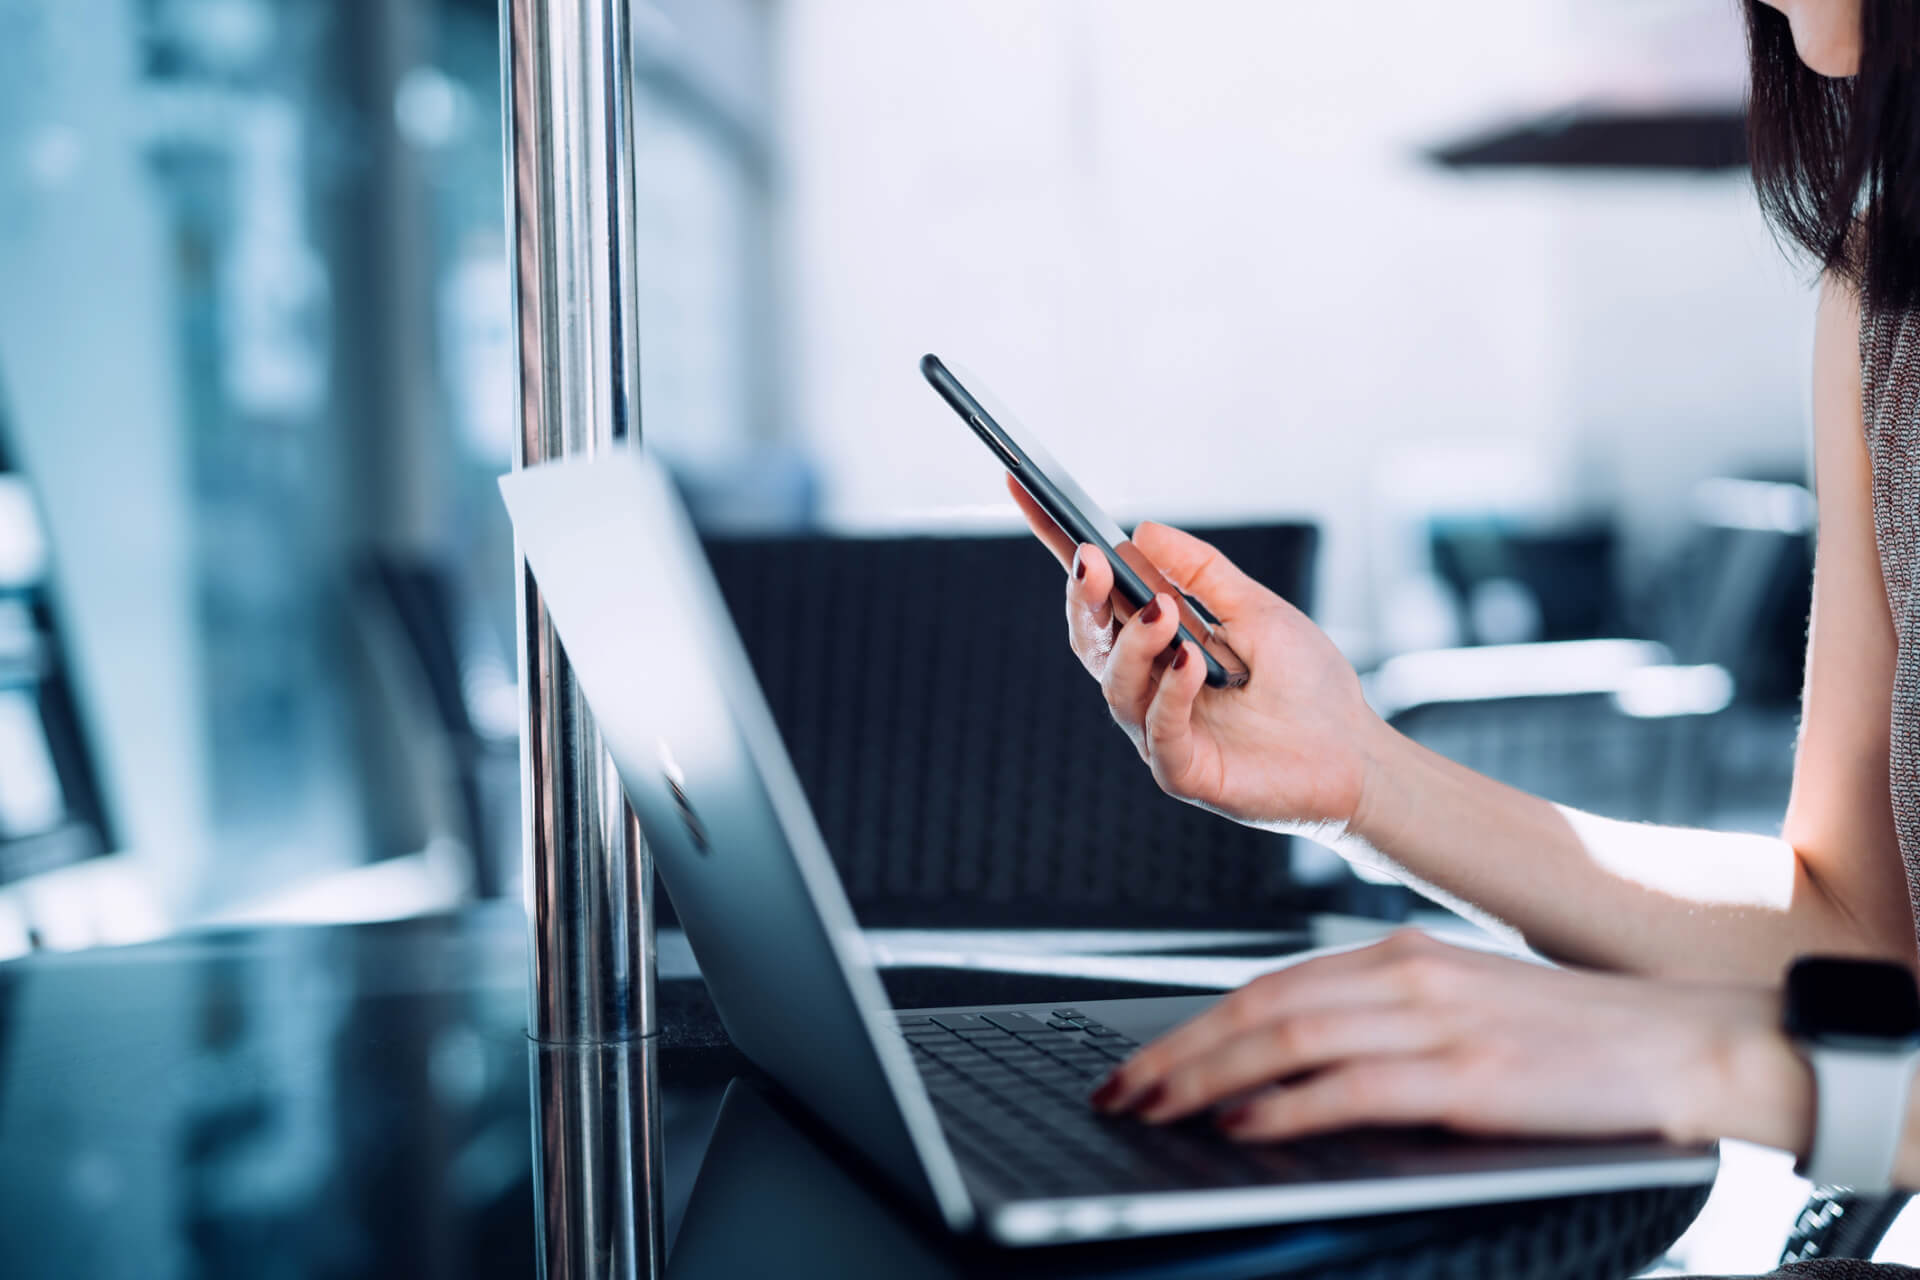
[{"x": 1298, "y": 749}]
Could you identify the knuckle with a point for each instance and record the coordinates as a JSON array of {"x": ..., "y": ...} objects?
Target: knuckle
[
  {"x": 1241, "y": 1011},
  {"x": 1265, "y": 991},
  {"x": 1286, "y": 1040},
  {"x": 1084, "y": 631},
  {"x": 1313, "y": 1029},
  {"x": 1426, "y": 976}
]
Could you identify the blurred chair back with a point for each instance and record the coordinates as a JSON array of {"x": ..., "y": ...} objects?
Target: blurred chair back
[
  {"x": 463, "y": 778},
  {"x": 1744, "y": 590},
  {"x": 1636, "y": 728},
  {"x": 963, "y": 767}
]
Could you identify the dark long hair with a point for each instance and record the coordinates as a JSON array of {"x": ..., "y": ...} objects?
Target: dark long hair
[{"x": 1836, "y": 162}]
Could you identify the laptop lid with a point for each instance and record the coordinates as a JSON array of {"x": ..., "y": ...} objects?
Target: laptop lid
[{"x": 642, "y": 622}]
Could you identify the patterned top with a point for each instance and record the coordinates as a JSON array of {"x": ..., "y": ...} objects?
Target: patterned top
[{"x": 1890, "y": 398}]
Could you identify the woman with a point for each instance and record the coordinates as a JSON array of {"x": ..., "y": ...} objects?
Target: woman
[{"x": 1683, "y": 1036}]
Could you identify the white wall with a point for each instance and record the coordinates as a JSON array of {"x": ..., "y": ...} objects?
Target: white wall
[{"x": 1193, "y": 245}]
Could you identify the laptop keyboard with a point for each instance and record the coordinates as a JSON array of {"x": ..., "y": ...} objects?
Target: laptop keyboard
[{"x": 1011, "y": 1092}]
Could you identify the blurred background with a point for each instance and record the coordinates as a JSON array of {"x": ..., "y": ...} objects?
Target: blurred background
[{"x": 1460, "y": 318}]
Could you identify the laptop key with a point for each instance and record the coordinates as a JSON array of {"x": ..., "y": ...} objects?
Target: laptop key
[
  {"x": 1020, "y": 1062},
  {"x": 960, "y": 1021},
  {"x": 1075, "y": 1054},
  {"x": 1068, "y": 1013},
  {"x": 1022, "y": 1059},
  {"x": 1015, "y": 1021}
]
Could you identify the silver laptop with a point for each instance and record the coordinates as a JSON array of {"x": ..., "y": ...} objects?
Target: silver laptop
[{"x": 978, "y": 1114}]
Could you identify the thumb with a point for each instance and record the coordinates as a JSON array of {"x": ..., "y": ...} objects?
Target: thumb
[{"x": 1197, "y": 568}]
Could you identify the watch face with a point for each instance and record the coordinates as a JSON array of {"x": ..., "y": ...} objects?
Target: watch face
[{"x": 1864, "y": 999}]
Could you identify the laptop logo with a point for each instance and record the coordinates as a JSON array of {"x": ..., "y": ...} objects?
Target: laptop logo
[{"x": 676, "y": 779}]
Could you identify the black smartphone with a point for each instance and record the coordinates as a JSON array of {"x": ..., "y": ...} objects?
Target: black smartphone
[{"x": 1135, "y": 579}]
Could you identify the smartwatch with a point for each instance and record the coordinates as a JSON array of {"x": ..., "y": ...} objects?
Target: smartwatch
[{"x": 1858, "y": 1024}]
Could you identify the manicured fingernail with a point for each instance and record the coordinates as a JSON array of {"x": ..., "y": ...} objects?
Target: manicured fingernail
[
  {"x": 1235, "y": 1119},
  {"x": 1079, "y": 563},
  {"x": 1180, "y": 658},
  {"x": 1105, "y": 1095},
  {"x": 1153, "y": 1097},
  {"x": 1151, "y": 614}
]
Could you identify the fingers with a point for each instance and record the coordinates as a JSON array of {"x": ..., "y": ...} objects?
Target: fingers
[
  {"x": 1089, "y": 583},
  {"x": 1406, "y": 966},
  {"x": 1198, "y": 569},
  {"x": 1259, "y": 1004},
  {"x": 1090, "y": 608},
  {"x": 1132, "y": 669},
  {"x": 1396, "y": 1090},
  {"x": 1287, "y": 1048},
  {"x": 1042, "y": 524},
  {"x": 1169, "y": 723}
]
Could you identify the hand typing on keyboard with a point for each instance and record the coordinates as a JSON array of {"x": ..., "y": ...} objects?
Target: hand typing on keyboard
[
  {"x": 1011, "y": 1089},
  {"x": 1412, "y": 1031}
]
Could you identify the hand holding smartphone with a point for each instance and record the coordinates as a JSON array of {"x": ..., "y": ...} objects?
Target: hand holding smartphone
[{"x": 1135, "y": 579}]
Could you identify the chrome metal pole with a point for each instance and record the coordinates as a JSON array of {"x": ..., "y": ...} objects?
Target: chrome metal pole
[{"x": 567, "y": 88}]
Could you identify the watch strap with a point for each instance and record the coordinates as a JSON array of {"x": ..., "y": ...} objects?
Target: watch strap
[{"x": 1859, "y": 1112}]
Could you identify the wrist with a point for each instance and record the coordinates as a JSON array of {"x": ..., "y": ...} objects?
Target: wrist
[
  {"x": 1386, "y": 768},
  {"x": 1748, "y": 1081}
]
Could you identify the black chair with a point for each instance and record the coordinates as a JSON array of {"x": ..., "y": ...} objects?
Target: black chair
[
  {"x": 963, "y": 767},
  {"x": 1635, "y": 728}
]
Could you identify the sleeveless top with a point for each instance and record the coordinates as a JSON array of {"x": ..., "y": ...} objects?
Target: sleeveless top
[{"x": 1890, "y": 400}]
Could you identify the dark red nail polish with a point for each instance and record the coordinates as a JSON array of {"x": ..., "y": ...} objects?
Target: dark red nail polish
[
  {"x": 1079, "y": 567},
  {"x": 1109, "y": 1090},
  {"x": 1151, "y": 614},
  {"x": 1234, "y": 1119},
  {"x": 1180, "y": 657},
  {"x": 1152, "y": 1098}
]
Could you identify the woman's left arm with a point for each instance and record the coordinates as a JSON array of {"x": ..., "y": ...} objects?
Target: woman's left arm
[{"x": 1411, "y": 1031}]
